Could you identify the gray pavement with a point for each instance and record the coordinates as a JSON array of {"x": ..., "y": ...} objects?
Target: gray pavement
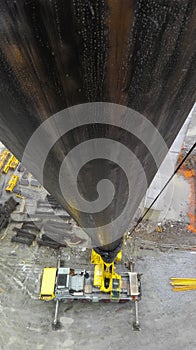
[{"x": 167, "y": 318}]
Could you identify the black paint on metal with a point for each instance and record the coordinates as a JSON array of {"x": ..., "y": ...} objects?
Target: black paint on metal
[{"x": 57, "y": 54}]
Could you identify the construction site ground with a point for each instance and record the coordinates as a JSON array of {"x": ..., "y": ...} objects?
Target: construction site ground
[{"x": 167, "y": 318}]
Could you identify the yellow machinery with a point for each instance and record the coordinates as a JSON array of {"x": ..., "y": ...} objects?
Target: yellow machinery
[
  {"x": 14, "y": 163},
  {"x": 12, "y": 183},
  {"x": 105, "y": 276},
  {"x": 65, "y": 283},
  {"x": 4, "y": 157},
  {"x": 11, "y": 164},
  {"x": 48, "y": 283}
]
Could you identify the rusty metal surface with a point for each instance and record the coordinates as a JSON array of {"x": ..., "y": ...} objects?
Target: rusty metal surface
[{"x": 57, "y": 54}]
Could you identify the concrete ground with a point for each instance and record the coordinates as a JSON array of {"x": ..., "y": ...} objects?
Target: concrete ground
[{"x": 167, "y": 318}]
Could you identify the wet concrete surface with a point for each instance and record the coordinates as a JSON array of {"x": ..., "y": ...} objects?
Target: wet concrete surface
[
  {"x": 179, "y": 200},
  {"x": 174, "y": 202}
]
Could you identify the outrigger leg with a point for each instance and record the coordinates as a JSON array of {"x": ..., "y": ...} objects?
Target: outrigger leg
[
  {"x": 56, "y": 322},
  {"x": 136, "y": 323}
]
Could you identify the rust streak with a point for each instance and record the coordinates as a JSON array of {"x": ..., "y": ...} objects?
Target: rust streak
[
  {"x": 120, "y": 21},
  {"x": 190, "y": 175}
]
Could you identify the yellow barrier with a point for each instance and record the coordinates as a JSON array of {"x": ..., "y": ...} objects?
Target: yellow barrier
[
  {"x": 183, "y": 284},
  {"x": 3, "y": 157},
  {"x": 12, "y": 183},
  {"x": 11, "y": 164}
]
